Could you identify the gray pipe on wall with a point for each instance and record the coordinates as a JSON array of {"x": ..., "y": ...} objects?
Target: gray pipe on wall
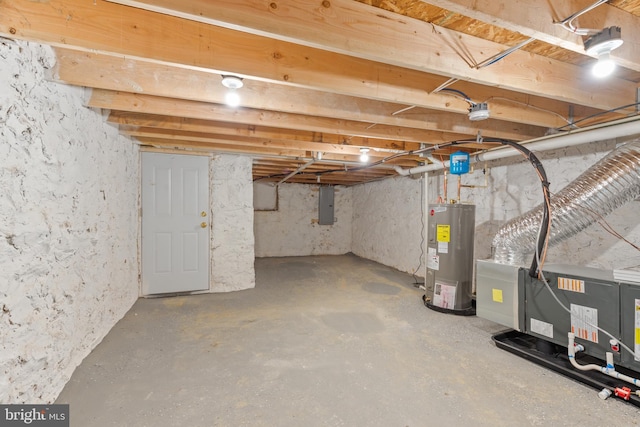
[{"x": 604, "y": 187}]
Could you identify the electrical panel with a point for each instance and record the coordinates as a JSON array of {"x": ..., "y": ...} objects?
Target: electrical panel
[{"x": 325, "y": 205}]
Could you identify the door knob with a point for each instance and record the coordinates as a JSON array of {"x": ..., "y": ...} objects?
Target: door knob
[
  {"x": 203, "y": 224},
  {"x": 203, "y": 214}
]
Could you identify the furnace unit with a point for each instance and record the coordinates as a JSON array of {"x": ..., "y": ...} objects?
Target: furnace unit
[{"x": 450, "y": 237}]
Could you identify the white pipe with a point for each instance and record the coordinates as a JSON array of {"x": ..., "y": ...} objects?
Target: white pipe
[
  {"x": 616, "y": 129},
  {"x": 609, "y": 370},
  {"x": 425, "y": 247},
  {"x": 295, "y": 172}
]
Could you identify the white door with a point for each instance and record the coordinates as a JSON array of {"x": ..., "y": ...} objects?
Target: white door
[{"x": 175, "y": 223}]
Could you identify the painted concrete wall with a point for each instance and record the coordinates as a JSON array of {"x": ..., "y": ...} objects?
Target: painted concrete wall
[
  {"x": 386, "y": 218},
  {"x": 293, "y": 230},
  {"x": 232, "y": 239},
  {"x": 387, "y": 223},
  {"x": 514, "y": 188},
  {"x": 68, "y": 227}
]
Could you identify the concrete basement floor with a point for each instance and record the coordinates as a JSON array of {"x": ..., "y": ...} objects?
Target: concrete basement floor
[{"x": 321, "y": 341}]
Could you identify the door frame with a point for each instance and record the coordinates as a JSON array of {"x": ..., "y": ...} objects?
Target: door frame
[{"x": 209, "y": 288}]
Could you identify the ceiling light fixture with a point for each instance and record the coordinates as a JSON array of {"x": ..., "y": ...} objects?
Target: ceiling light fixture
[
  {"x": 479, "y": 112},
  {"x": 232, "y": 99},
  {"x": 605, "y": 66},
  {"x": 601, "y": 44},
  {"x": 232, "y": 82},
  {"x": 364, "y": 155}
]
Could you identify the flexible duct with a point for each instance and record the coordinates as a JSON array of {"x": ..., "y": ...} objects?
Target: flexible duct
[{"x": 604, "y": 187}]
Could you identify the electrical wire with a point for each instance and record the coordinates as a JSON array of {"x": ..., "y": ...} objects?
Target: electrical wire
[
  {"x": 531, "y": 106},
  {"x": 567, "y": 23},
  {"x": 608, "y": 227},
  {"x": 459, "y": 93},
  {"x": 601, "y": 113},
  {"x": 500, "y": 56},
  {"x": 542, "y": 241}
]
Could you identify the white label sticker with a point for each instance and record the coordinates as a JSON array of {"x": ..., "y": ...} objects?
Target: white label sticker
[
  {"x": 433, "y": 262},
  {"x": 443, "y": 247},
  {"x": 542, "y": 328},
  {"x": 584, "y": 322},
  {"x": 431, "y": 251},
  {"x": 444, "y": 296},
  {"x": 637, "y": 334}
]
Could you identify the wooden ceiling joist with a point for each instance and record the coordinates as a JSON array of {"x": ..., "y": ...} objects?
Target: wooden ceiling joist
[
  {"x": 312, "y": 147},
  {"x": 357, "y": 30},
  {"x": 344, "y": 27},
  {"x": 333, "y": 76},
  {"x": 128, "y": 75},
  {"x": 536, "y": 19},
  {"x": 201, "y": 110},
  {"x": 134, "y": 121}
]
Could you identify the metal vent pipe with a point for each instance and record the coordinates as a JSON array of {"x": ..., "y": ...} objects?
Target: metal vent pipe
[
  {"x": 616, "y": 129},
  {"x": 604, "y": 187}
]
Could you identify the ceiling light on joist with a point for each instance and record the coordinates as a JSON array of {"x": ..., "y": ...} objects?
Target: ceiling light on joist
[
  {"x": 232, "y": 82},
  {"x": 601, "y": 45},
  {"x": 479, "y": 112},
  {"x": 232, "y": 98},
  {"x": 364, "y": 155}
]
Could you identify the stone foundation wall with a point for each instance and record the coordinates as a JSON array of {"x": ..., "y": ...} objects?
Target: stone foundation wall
[{"x": 68, "y": 226}]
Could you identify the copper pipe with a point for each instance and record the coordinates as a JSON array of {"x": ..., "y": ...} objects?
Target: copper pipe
[{"x": 445, "y": 186}]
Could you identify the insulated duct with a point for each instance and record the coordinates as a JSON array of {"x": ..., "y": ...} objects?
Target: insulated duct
[{"x": 604, "y": 187}]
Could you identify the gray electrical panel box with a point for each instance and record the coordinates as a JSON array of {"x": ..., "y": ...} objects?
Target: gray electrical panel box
[{"x": 325, "y": 205}]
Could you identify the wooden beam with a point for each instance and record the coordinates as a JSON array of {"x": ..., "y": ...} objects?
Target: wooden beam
[
  {"x": 200, "y": 110},
  {"x": 177, "y": 127},
  {"x": 335, "y": 169},
  {"x": 92, "y": 69},
  {"x": 536, "y": 19},
  {"x": 359, "y": 30},
  {"x": 225, "y": 146},
  {"x": 221, "y": 147},
  {"x": 170, "y": 123},
  {"x": 111, "y": 28},
  {"x": 257, "y": 142}
]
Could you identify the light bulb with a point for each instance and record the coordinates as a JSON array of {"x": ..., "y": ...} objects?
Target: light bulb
[
  {"x": 604, "y": 67},
  {"x": 364, "y": 155},
  {"x": 232, "y": 98}
]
